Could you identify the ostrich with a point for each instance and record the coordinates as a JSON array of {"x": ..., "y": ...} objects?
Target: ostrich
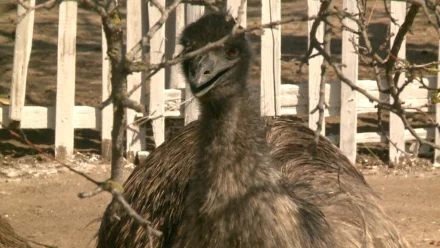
[{"x": 234, "y": 180}]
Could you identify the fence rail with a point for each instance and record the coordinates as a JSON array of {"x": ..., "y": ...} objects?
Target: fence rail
[
  {"x": 293, "y": 99},
  {"x": 276, "y": 98}
]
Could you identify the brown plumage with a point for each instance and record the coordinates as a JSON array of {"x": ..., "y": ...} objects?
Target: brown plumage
[
  {"x": 232, "y": 180},
  {"x": 8, "y": 238}
]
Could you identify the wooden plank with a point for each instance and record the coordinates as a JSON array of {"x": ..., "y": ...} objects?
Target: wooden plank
[
  {"x": 437, "y": 115},
  {"x": 271, "y": 60},
  {"x": 157, "y": 82},
  {"x": 192, "y": 14},
  {"x": 301, "y": 110},
  {"x": 398, "y": 11},
  {"x": 173, "y": 99},
  {"x": 65, "y": 79},
  {"x": 107, "y": 112},
  {"x": 37, "y": 117},
  {"x": 375, "y": 137},
  {"x": 136, "y": 135},
  {"x": 297, "y": 94},
  {"x": 177, "y": 79},
  {"x": 22, "y": 53},
  {"x": 314, "y": 68},
  {"x": 348, "y": 123},
  {"x": 294, "y": 100},
  {"x": 34, "y": 117},
  {"x": 365, "y": 106},
  {"x": 234, "y": 5},
  {"x": 86, "y": 117}
]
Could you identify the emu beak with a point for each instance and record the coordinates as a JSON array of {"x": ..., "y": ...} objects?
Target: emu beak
[{"x": 209, "y": 68}]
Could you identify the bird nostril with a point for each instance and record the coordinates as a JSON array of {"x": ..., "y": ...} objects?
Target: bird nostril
[{"x": 207, "y": 72}]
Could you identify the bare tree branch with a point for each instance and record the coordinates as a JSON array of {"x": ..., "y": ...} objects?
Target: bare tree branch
[
  {"x": 111, "y": 186},
  {"x": 325, "y": 7},
  {"x": 392, "y": 65},
  {"x": 46, "y": 5},
  {"x": 154, "y": 68},
  {"x": 145, "y": 42}
]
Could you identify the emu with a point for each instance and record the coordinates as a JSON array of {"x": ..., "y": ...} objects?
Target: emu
[{"x": 235, "y": 180}]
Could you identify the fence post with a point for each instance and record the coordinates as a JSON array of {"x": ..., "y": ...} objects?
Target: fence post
[
  {"x": 233, "y": 6},
  {"x": 315, "y": 68},
  {"x": 157, "y": 82},
  {"x": 177, "y": 79},
  {"x": 135, "y": 29},
  {"x": 437, "y": 115},
  {"x": 22, "y": 53},
  {"x": 348, "y": 125},
  {"x": 193, "y": 13},
  {"x": 397, "y": 129},
  {"x": 65, "y": 102},
  {"x": 271, "y": 54},
  {"x": 107, "y": 112}
]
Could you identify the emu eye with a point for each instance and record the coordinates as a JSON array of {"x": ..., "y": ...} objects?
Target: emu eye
[{"x": 231, "y": 52}]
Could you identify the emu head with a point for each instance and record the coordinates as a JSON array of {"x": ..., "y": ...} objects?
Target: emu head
[{"x": 222, "y": 72}]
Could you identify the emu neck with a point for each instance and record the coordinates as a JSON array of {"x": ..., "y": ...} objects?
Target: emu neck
[
  {"x": 233, "y": 153},
  {"x": 229, "y": 126},
  {"x": 220, "y": 115}
]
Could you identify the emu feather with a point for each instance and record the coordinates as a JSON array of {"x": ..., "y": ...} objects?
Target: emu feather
[{"x": 235, "y": 180}]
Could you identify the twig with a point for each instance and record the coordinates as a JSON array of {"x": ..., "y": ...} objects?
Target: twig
[
  {"x": 154, "y": 68},
  {"x": 371, "y": 152},
  {"x": 140, "y": 66},
  {"x": 240, "y": 13},
  {"x": 45, "y": 154},
  {"x": 47, "y": 5},
  {"x": 213, "y": 5},
  {"x": 108, "y": 185},
  {"x": 398, "y": 41},
  {"x": 105, "y": 103},
  {"x": 321, "y": 104},
  {"x": 384, "y": 132},
  {"x": 116, "y": 190},
  {"x": 93, "y": 4},
  {"x": 372, "y": 11},
  {"x": 145, "y": 42},
  {"x": 392, "y": 71},
  {"x": 132, "y": 213},
  {"x": 142, "y": 120}
]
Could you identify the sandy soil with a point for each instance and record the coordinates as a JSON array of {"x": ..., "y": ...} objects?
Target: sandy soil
[
  {"x": 46, "y": 209},
  {"x": 412, "y": 202}
]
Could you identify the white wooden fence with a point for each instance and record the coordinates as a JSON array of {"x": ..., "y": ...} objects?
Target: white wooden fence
[{"x": 276, "y": 98}]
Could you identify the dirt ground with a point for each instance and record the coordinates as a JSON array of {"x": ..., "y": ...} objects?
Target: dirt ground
[{"x": 46, "y": 209}]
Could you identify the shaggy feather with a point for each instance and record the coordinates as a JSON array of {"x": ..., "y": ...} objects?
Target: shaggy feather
[{"x": 233, "y": 180}]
